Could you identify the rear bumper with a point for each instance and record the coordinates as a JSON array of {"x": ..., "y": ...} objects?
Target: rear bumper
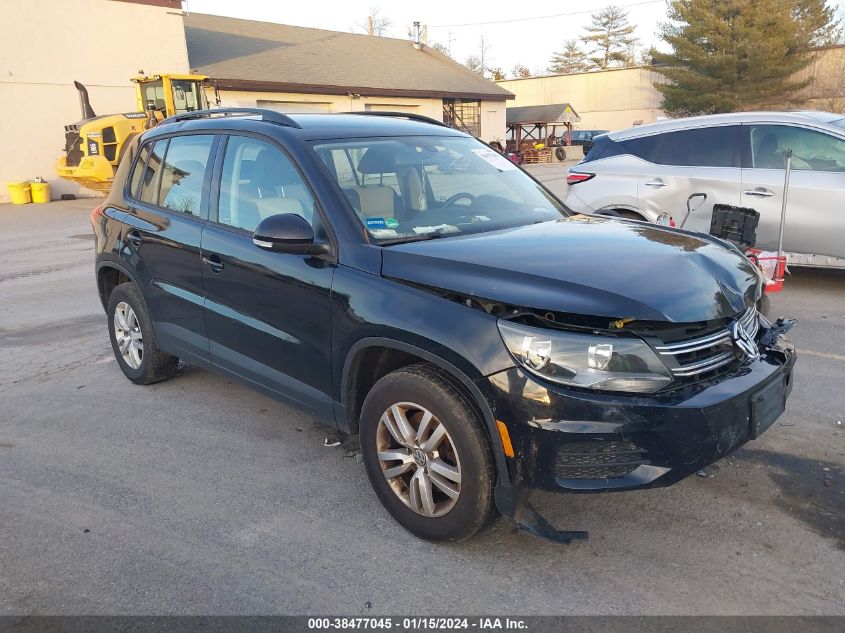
[{"x": 572, "y": 441}]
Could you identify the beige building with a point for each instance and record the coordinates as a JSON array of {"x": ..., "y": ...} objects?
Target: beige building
[
  {"x": 606, "y": 100},
  {"x": 295, "y": 69},
  {"x": 45, "y": 45},
  {"x": 618, "y": 98}
]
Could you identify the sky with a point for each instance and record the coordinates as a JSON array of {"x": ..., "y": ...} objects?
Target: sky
[{"x": 525, "y": 33}]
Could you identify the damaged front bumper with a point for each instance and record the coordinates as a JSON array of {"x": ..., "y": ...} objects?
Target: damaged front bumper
[{"x": 569, "y": 440}]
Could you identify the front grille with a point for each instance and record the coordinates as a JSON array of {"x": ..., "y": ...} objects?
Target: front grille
[
  {"x": 693, "y": 357},
  {"x": 598, "y": 459}
]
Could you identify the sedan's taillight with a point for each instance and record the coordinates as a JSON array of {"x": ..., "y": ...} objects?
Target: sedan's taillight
[{"x": 574, "y": 177}]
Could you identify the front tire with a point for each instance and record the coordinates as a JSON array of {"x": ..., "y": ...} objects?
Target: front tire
[
  {"x": 131, "y": 334},
  {"x": 427, "y": 455}
]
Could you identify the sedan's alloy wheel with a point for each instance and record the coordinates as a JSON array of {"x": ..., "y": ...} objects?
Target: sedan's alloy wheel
[
  {"x": 418, "y": 459},
  {"x": 127, "y": 333}
]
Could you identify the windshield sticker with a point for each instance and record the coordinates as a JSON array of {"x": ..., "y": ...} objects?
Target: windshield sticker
[
  {"x": 494, "y": 158},
  {"x": 391, "y": 223},
  {"x": 375, "y": 223}
]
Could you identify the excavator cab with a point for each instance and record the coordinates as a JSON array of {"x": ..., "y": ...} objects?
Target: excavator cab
[{"x": 95, "y": 144}]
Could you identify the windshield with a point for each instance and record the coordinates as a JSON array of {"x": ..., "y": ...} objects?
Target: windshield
[{"x": 407, "y": 188}]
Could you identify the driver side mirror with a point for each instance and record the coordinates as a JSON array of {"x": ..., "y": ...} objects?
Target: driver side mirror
[{"x": 287, "y": 233}]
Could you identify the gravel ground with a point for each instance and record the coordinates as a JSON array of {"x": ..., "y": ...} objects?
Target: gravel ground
[{"x": 198, "y": 495}]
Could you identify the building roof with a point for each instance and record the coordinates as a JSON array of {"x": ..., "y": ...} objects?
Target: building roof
[
  {"x": 263, "y": 56},
  {"x": 531, "y": 115}
]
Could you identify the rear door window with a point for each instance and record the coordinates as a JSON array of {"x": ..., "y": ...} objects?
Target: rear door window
[
  {"x": 700, "y": 147},
  {"x": 183, "y": 173}
]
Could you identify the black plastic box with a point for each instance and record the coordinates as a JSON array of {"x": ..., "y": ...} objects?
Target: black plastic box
[{"x": 735, "y": 224}]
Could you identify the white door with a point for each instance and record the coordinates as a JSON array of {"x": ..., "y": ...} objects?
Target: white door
[{"x": 815, "y": 214}]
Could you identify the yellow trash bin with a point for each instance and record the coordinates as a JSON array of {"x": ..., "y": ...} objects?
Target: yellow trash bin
[
  {"x": 20, "y": 192},
  {"x": 40, "y": 192}
]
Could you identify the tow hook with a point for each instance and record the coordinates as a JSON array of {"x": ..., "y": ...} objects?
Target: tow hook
[{"x": 781, "y": 326}]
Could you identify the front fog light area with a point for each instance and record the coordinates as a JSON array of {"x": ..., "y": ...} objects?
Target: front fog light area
[{"x": 593, "y": 361}]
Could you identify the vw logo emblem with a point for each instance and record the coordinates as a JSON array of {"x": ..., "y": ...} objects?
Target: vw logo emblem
[
  {"x": 743, "y": 341},
  {"x": 419, "y": 458}
]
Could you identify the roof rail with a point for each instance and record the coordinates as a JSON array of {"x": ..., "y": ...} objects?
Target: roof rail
[
  {"x": 403, "y": 115},
  {"x": 271, "y": 116}
]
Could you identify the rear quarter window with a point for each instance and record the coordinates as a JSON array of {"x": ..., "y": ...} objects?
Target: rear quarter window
[{"x": 138, "y": 171}]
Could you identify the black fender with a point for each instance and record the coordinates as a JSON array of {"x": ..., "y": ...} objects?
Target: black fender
[{"x": 503, "y": 478}]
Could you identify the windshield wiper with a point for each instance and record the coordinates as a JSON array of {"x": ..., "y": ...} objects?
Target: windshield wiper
[{"x": 411, "y": 238}]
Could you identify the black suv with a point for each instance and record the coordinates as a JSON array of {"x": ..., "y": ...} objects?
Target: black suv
[{"x": 404, "y": 282}]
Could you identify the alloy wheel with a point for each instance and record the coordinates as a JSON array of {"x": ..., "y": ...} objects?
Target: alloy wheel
[
  {"x": 418, "y": 459},
  {"x": 127, "y": 333}
]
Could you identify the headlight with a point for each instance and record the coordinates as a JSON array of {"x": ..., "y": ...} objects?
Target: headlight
[{"x": 593, "y": 361}]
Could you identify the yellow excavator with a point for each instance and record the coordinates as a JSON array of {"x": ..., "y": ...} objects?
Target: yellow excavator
[{"x": 95, "y": 144}]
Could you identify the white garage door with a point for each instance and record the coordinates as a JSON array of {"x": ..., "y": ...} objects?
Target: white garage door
[{"x": 295, "y": 107}]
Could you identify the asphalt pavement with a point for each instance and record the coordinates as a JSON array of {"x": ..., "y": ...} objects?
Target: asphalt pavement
[{"x": 200, "y": 496}]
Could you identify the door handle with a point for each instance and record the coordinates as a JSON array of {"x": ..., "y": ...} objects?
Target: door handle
[
  {"x": 759, "y": 192},
  {"x": 134, "y": 238},
  {"x": 657, "y": 182},
  {"x": 214, "y": 263}
]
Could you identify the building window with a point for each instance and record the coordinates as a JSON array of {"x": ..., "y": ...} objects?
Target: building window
[{"x": 463, "y": 114}]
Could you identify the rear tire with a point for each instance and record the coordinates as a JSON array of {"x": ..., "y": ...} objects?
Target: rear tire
[
  {"x": 132, "y": 341},
  {"x": 436, "y": 482}
]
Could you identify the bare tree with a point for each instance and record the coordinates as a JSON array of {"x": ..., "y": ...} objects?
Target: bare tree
[
  {"x": 480, "y": 63},
  {"x": 376, "y": 23},
  {"x": 520, "y": 71},
  {"x": 473, "y": 62},
  {"x": 443, "y": 50}
]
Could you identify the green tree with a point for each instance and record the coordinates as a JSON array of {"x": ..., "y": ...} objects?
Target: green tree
[
  {"x": 610, "y": 38},
  {"x": 570, "y": 59},
  {"x": 729, "y": 55}
]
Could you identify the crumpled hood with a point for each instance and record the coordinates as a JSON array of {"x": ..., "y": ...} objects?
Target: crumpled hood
[{"x": 588, "y": 266}]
